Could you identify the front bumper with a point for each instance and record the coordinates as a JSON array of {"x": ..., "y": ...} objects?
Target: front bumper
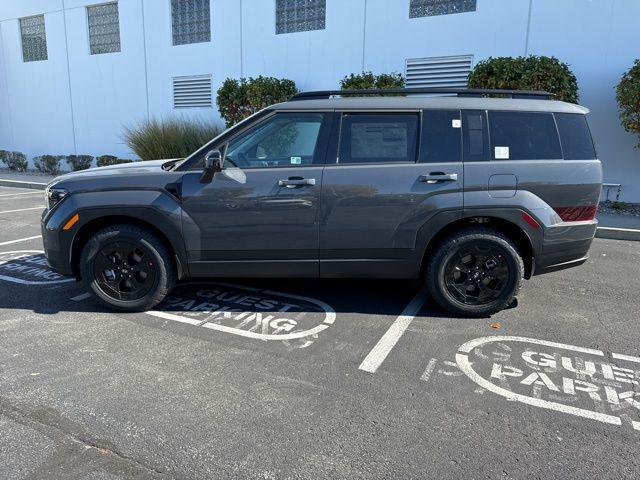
[{"x": 56, "y": 250}]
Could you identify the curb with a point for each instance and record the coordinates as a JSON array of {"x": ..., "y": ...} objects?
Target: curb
[
  {"x": 20, "y": 184},
  {"x": 618, "y": 233}
]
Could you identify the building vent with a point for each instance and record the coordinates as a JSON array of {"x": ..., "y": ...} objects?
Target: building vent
[
  {"x": 192, "y": 92},
  {"x": 438, "y": 71}
]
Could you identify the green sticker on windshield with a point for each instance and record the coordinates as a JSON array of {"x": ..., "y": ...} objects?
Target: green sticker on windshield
[{"x": 296, "y": 160}]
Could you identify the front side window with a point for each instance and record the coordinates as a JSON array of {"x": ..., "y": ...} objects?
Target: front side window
[
  {"x": 523, "y": 136},
  {"x": 282, "y": 140},
  {"x": 191, "y": 21},
  {"x": 575, "y": 136},
  {"x": 300, "y": 15},
  {"x": 34, "y": 39},
  {"x": 378, "y": 138},
  {"x": 104, "y": 28},
  {"x": 441, "y": 136},
  {"x": 429, "y": 8}
]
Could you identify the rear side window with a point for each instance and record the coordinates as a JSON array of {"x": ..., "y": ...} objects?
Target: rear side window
[
  {"x": 575, "y": 136},
  {"x": 441, "y": 136},
  {"x": 523, "y": 136},
  {"x": 475, "y": 136},
  {"x": 378, "y": 138}
]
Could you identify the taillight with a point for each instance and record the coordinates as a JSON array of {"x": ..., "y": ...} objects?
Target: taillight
[{"x": 577, "y": 214}]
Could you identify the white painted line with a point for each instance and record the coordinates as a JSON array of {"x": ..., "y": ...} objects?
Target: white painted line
[
  {"x": 19, "y": 240},
  {"x": 25, "y": 193},
  {"x": 628, "y": 358},
  {"x": 384, "y": 346},
  {"x": 81, "y": 297},
  {"x": 636, "y": 425},
  {"x": 614, "y": 229},
  {"x": 429, "y": 370},
  {"x": 21, "y": 182},
  {"x": 21, "y": 210}
]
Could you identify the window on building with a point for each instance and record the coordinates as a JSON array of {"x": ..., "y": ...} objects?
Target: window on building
[
  {"x": 34, "y": 39},
  {"x": 429, "y": 8},
  {"x": 378, "y": 138},
  {"x": 191, "y": 21},
  {"x": 104, "y": 28},
  {"x": 450, "y": 71},
  {"x": 282, "y": 140},
  {"x": 524, "y": 136},
  {"x": 575, "y": 136},
  {"x": 300, "y": 15},
  {"x": 441, "y": 136},
  {"x": 192, "y": 92}
]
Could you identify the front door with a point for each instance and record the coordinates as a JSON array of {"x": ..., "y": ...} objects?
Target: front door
[
  {"x": 259, "y": 215},
  {"x": 392, "y": 174}
]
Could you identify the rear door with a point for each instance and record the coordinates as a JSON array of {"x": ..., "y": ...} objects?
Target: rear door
[{"x": 389, "y": 174}]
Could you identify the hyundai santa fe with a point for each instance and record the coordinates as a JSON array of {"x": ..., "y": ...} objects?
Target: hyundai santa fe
[{"x": 472, "y": 192}]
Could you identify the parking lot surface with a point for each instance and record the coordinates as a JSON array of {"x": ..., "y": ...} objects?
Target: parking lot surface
[{"x": 316, "y": 379}]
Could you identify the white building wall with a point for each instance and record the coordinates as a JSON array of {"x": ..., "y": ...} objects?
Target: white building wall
[{"x": 80, "y": 104}]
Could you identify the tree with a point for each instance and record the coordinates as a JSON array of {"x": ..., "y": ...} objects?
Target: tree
[{"x": 628, "y": 97}]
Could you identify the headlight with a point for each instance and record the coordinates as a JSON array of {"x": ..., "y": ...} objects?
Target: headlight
[{"x": 53, "y": 196}]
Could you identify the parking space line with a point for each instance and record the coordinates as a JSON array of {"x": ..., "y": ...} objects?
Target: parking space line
[
  {"x": 629, "y": 358},
  {"x": 81, "y": 297},
  {"x": 19, "y": 240},
  {"x": 429, "y": 370},
  {"x": 21, "y": 210},
  {"x": 20, "y": 193},
  {"x": 384, "y": 346}
]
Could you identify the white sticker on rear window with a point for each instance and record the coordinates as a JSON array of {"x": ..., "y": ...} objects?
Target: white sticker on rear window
[
  {"x": 501, "y": 153},
  {"x": 456, "y": 123},
  {"x": 296, "y": 160}
]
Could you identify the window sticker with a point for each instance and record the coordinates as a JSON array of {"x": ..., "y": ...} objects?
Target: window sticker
[
  {"x": 501, "y": 153},
  {"x": 456, "y": 123},
  {"x": 296, "y": 160}
]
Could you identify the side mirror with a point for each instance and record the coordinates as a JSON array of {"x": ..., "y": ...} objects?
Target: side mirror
[{"x": 212, "y": 164}]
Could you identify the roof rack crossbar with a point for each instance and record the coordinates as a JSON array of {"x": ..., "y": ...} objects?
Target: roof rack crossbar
[{"x": 460, "y": 92}]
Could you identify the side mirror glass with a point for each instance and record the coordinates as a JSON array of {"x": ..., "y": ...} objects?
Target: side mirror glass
[{"x": 212, "y": 164}]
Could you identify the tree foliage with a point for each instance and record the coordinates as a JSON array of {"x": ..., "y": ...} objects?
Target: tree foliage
[
  {"x": 369, "y": 80},
  {"x": 526, "y": 73},
  {"x": 628, "y": 96}
]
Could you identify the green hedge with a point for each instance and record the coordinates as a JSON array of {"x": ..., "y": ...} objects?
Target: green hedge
[
  {"x": 526, "y": 73},
  {"x": 107, "y": 160},
  {"x": 15, "y": 161},
  {"x": 368, "y": 80},
  {"x": 238, "y": 99},
  {"x": 628, "y": 96},
  {"x": 48, "y": 164}
]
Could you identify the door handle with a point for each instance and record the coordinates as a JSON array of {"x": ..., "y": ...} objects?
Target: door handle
[
  {"x": 438, "y": 177},
  {"x": 294, "y": 182}
]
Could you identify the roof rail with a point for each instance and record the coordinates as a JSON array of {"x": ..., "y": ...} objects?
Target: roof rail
[{"x": 460, "y": 92}]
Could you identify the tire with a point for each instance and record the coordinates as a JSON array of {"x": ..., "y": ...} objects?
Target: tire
[
  {"x": 137, "y": 264},
  {"x": 459, "y": 277}
]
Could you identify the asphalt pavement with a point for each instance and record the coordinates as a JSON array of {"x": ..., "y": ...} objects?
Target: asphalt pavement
[{"x": 313, "y": 379}]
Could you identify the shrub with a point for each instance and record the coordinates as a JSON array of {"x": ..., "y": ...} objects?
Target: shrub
[
  {"x": 79, "y": 162},
  {"x": 106, "y": 160},
  {"x": 15, "y": 161},
  {"x": 238, "y": 99},
  {"x": 169, "y": 138},
  {"x": 628, "y": 96},
  {"x": 526, "y": 73},
  {"x": 47, "y": 164},
  {"x": 366, "y": 80}
]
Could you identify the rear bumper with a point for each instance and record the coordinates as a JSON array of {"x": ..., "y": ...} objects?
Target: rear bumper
[{"x": 565, "y": 245}]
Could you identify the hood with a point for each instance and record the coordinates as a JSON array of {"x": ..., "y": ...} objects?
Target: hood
[{"x": 127, "y": 175}]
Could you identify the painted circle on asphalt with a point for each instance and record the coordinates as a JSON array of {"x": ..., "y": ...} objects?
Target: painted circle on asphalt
[
  {"x": 28, "y": 267},
  {"x": 248, "y": 312},
  {"x": 579, "y": 381}
]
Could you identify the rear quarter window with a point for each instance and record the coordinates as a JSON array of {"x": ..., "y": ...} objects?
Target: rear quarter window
[
  {"x": 575, "y": 136},
  {"x": 523, "y": 136}
]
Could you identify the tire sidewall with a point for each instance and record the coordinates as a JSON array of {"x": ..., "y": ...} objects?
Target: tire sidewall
[{"x": 91, "y": 249}]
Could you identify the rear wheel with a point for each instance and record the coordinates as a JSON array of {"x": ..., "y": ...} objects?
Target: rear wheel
[
  {"x": 127, "y": 268},
  {"x": 475, "y": 272}
]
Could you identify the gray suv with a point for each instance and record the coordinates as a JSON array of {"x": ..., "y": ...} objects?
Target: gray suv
[{"x": 470, "y": 192}]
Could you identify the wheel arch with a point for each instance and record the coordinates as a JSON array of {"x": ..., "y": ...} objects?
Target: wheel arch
[
  {"x": 88, "y": 229},
  {"x": 523, "y": 242}
]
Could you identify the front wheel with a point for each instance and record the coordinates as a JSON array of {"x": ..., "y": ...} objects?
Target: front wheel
[
  {"x": 475, "y": 272},
  {"x": 127, "y": 268}
]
